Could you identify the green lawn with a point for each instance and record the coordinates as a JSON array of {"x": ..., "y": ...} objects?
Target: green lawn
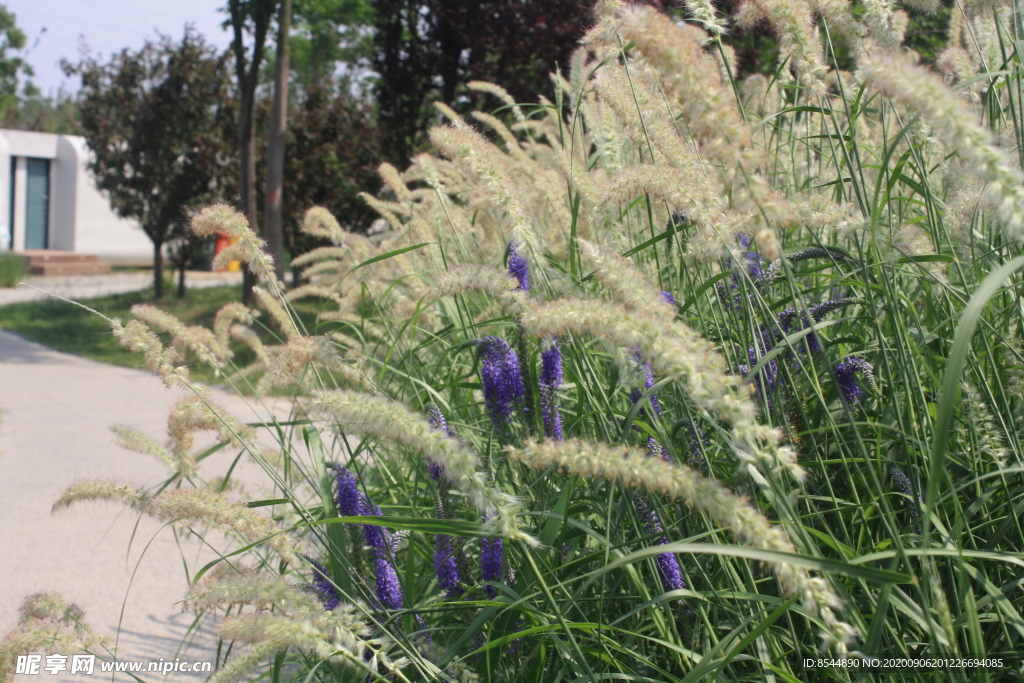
[{"x": 71, "y": 329}]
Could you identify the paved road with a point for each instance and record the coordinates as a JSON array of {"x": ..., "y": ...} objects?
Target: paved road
[
  {"x": 79, "y": 287},
  {"x": 55, "y": 411}
]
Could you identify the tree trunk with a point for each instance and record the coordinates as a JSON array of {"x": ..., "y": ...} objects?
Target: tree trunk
[
  {"x": 247, "y": 82},
  {"x": 158, "y": 270},
  {"x": 273, "y": 206},
  {"x": 181, "y": 280}
]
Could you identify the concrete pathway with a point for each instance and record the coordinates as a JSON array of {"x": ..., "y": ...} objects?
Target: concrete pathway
[
  {"x": 79, "y": 287},
  {"x": 55, "y": 413}
]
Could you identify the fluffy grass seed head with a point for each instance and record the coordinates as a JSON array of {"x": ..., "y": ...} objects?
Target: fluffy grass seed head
[
  {"x": 320, "y": 222},
  {"x": 393, "y": 421},
  {"x": 137, "y": 337},
  {"x": 626, "y": 284},
  {"x": 206, "y": 506},
  {"x": 199, "y": 340},
  {"x": 195, "y": 413},
  {"x": 290, "y": 362},
  {"x": 49, "y": 624},
  {"x": 920, "y": 91},
  {"x": 632, "y": 467},
  {"x": 673, "y": 350},
  {"x": 127, "y": 495},
  {"x": 497, "y": 284},
  {"x": 272, "y": 305},
  {"x": 133, "y": 440},
  {"x": 248, "y": 247}
]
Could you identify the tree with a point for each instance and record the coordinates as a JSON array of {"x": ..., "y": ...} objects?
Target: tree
[
  {"x": 252, "y": 16},
  {"x": 332, "y": 157},
  {"x": 276, "y": 132},
  {"x": 152, "y": 120},
  {"x": 12, "y": 68}
]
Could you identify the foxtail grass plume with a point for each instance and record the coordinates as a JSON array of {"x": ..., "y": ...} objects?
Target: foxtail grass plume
[
  {"x": 627, "y": 286},
  {"x": 188, "y": 506},
  {"x": 286, "y": 616},
  {"x": 47, "y": 624},
  {"x": 247, "y": 246},
  {"x": 319, "y": 222},
  {"x": 137, "y": 337},
  {"x": 273, "y": 306},
  {"x": 395, "y": 422},
  {"x": 302, "y": 356},
  {"x": 133, "y": 440},
  {"x": 633, "y": 468},
  {"x": 924, "y": 93},
  {"x": 199, "y": 340},
  {"x": 196, "y": 413},
  {"x": 227, "y": 316},
  {"x": 496, "y": 283},
  {"x": 674, "y": 350}
]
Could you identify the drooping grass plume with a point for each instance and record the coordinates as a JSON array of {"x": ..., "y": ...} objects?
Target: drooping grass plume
[
  {"x": 133, "y": 440},
  {"x": 393, "y": 421},
  {"x": 923, "y": 93},
  {"x": 673, "y": 350},
  {"x": 247, "y": 246},
  {"x": 47, "y": 624},
  {"x": 197, "y": 413},
  {"x": 189, "y": 506},
  {"x": 633, "y": 468},
  {"x": 137, "y": 337}
]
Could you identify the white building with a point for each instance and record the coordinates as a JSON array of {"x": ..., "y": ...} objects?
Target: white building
[{"x": 48, "y": 200}]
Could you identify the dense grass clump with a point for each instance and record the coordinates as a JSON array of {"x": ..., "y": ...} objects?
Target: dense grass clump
[
  {"x": 12, "y": 269},
  {"x": 669, "y": 377}
]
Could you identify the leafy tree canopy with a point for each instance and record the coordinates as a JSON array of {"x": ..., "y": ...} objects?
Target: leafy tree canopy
[{"x": 155, "y": 121}]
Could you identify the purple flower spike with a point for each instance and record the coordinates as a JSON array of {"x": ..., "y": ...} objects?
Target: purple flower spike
[
  {"x": 446, "y": 567},
  {"x": 490, "y": 562},
  {"x": 550, "y": 379},
  {"x": 389, "y": 591},
  {"x": 324, "y": 587},
  {"x": 669, "y": 571},
  {"x": 502, "y": 382},
  {"x": 669, "y": 299},
  {"x": 518, "y": 268},
  {"x": 349, "y": 497},
  {"x": 846, "y": 377}
]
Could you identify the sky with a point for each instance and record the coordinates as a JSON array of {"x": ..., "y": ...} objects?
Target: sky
[{"x": 106, "y": 26}]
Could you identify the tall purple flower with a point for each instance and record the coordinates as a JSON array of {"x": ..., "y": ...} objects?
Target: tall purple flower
[
  {"x": 323, "y": 587},
  {"x": 669, "y": 571},
  {"x": 550, "y": 379},
  {"x": 846, "y": 377},
  {"x": 352, "y": 503},
  {"x": 349, "y": 498},
  {"x": 491, "y": 556},
  {"x": 389, "y": 591},
  {"x": 502, "y": 382},
  {"x": 518, "y": 268},
  {"x": 445, "y": 566}
]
